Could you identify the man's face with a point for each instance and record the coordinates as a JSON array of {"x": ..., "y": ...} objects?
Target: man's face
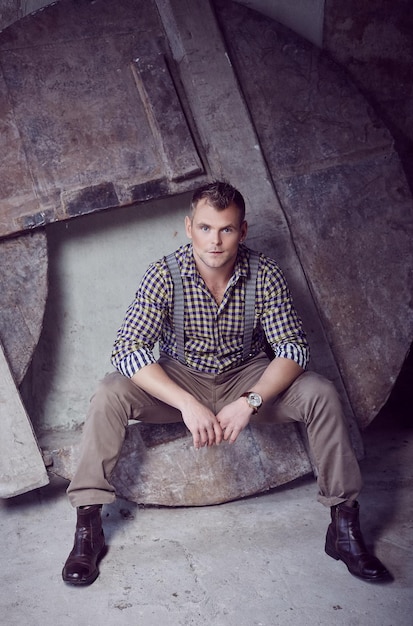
[{"x": 215, "y": 235}]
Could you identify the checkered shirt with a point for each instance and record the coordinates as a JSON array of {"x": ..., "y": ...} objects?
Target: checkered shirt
[{"x": 213, "y": 332}]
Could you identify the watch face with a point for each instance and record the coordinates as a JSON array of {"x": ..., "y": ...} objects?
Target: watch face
[{"x": 254, "y": 399}]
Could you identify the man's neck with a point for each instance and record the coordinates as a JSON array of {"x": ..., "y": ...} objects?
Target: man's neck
[{"x": 218, "y": 276}]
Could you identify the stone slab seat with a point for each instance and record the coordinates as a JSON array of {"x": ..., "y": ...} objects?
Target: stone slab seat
[{"x": 159, "y": 465}]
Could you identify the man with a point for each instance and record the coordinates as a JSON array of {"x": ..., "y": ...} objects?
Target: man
[{"x": 215, "y": 378}]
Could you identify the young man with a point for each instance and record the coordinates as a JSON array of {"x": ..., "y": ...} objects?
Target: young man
[{"x": 207, "y": 378}]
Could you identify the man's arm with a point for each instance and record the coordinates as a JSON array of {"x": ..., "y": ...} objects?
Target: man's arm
[
  {"x": 133, "y": 355},
  {"x": 275, "y": 379},
  {"x": 284, "y": 333},
  {"x": 200, "y": 420}
]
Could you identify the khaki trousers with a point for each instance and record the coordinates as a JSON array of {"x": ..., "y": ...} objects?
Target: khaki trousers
[{"x": 311, "y": 399}]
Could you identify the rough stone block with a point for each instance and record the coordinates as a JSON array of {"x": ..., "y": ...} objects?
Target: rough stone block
[
  {"x": 23, "y": 288},
  {"x": 160, "y": 466},
  {"x": 21, "y": 464}
]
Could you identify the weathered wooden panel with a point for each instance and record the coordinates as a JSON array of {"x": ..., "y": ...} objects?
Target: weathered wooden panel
[
  {"x": 166, "y": 117},
  {"x": 10, "y": 11},
  {"x": 84, "y": 137},
  {"x": 366, "y": 290},
  {"x": 16, "y": 185},
  {"x": 234, "y": 152},
  {"x": 344, "y": 193}
]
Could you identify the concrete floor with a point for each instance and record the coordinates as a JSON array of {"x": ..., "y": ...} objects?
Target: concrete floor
[{"x": 258, "y": 561}]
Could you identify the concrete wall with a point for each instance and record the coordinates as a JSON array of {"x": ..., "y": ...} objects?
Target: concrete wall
[{"x": 95, "y": 265}]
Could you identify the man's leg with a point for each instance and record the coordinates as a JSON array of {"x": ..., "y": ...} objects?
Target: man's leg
[
  {"x": 313, "y": 400},
  {"x": 116, "y": 401}
]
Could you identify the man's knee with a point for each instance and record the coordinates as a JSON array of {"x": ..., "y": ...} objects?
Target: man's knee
[
  {"x": 316, "y": 394},
  {"x": 111, "y": 390},
  {"x": 317, "y": 385},
  {"x": 113, "y": 383}
]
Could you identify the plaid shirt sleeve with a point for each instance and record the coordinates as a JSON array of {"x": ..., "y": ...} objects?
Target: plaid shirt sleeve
[
  {"x": 279, "y": 320},
  {"x": 143, "y": 323}
]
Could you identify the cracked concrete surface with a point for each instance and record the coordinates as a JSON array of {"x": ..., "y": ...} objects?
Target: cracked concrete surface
[{"x": 258, "y": 561}]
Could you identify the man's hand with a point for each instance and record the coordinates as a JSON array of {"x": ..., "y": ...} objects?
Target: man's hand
[
  {"x": 233, "y": 418},
  {"x": 202, "y": 423}
]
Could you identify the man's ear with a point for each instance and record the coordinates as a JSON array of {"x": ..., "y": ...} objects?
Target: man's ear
[
  {"x": 244, "y": 230},
  {"x": 188, "y": 227}
]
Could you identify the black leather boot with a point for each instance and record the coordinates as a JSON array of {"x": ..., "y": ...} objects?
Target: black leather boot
[
  {"x": 344, "y": 541},
  {"x": 81, "y": 567}
]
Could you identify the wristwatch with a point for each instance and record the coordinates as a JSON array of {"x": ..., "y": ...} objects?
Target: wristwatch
[{"x": 254, "y": 400}]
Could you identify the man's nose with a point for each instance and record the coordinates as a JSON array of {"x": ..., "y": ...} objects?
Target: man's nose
[{"x": 216, "y": 237}]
